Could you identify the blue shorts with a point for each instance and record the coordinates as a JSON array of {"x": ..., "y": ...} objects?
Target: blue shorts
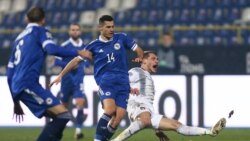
[
  {"x": 37, "y": 99},
  {"x": 71, "y": 88},
  {"x": 116, "y": 91}
]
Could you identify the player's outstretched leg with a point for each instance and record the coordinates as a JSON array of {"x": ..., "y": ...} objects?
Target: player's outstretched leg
[
  {"x": 134, "y": 127},
  {"x": 220, "y": 125}
]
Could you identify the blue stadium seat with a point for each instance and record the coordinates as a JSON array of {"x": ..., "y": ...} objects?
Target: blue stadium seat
[
  {"x": 67, "y": 5},
  {"x": 177, "y": 4},
  {"x": 207, "y": 3},
  {"x": 97, "y": 3},
  {"x": 50, "y": 5},
  {"x": 60, "y": 13},
  {"x": 120, "y": 18},
  {"x": 234, "y": 14},
  {"x": 160, "y": 4},
  {"x": 7, "y": 40},
  {"x": 202, "y": 16},
  {"x": 245, "y": 34},
  {"x": 218, "y": 15},
  {"x": 82, "y": 5},
  {"x": 153, "y": 17},
  {"x": 241, "y": 3},
  {"x": 139, "y": 17},
  {"x": 144, "y": 4},
  {"x": 168, "y": 16},
  {"x": 186, "y": 16},
  {"x": 73, "y": 17},
  {"x": 87, "y": 37}
]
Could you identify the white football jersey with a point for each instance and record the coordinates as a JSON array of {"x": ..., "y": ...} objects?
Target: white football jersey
[{"x": 143, "y": 81}]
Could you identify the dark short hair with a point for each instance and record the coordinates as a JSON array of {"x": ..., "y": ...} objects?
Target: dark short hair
[
  {"x": 167, "y": 34},
  {"x": 75, "y": 24},
  {"x": 147, "y": 53},
  {"x": 104, "y": 18},
  {"x": 36, "y": 14}
]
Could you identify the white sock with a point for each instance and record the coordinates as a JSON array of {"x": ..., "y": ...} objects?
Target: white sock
[
  {"x": 78, "y": 130},
  {"x": 190, "y": 130},
  {"x": 132, "y": 129}
]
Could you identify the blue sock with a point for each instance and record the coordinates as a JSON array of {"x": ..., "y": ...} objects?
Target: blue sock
[
  {"x": 79, "y": 118},
  {"x": 53, "y": 131},
  {"x": 110, "y": 132},
  {"x": 101, "y": 129}
]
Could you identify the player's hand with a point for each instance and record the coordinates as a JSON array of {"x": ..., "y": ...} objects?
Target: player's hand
[
  {"x": 18, "y": 112},
  {"x": 56, "y": 81},
  {"x": 134, "y": 91},
  {"x": 161, "y": 136},
  {"x": 137, "y": 60}
]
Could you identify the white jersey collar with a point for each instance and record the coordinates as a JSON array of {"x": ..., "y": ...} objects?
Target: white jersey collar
[
  {"x": 32, "y": 24},
  {"x": 103, "y": 40},
  {"x": 79, "y": 44}
]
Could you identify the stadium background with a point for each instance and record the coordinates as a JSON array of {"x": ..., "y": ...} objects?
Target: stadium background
[{"x": 212, "y": 39}]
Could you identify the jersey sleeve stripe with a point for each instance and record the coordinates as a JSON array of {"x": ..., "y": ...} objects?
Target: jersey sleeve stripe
[
  {"x": 46, "y": 42},
  {"x": 134, "y": 47},
  {"x": 11, "y": 65},
  {"x": 80, "y": 57},
  {"x": 59, "y": 58}
]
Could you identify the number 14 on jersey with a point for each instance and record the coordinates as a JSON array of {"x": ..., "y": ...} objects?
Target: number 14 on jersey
[{"x": 111, "y": 57}]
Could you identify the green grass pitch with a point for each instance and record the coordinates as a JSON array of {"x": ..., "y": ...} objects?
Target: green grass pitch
[{"x": 30, "y": 134}]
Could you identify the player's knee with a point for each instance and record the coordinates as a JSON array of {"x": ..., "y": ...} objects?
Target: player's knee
[
  {"x": 110, "y": 110},
  {"x": 80, "y": 102},
  {"x": 146, "y": 121}
]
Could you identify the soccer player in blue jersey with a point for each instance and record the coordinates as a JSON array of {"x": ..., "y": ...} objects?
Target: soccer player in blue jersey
[
  {"x": 25, "y": 64},
  {"x": 111, "y": 74},
  {"x": 72, "y": 83}
]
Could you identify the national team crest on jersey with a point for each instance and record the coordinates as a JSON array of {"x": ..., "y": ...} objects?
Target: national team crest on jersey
[
  {"x": 117, "y": 46},
  {"x": 108, "y": 93},
  {"x": 49, "y": 101}
]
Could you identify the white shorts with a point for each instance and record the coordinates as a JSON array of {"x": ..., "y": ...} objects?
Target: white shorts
[{"x": 136, "y": 108}]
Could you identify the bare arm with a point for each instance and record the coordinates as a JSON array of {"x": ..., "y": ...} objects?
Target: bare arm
[
  {"x": 139, "y": 53},
  {"x": 70, "y": 66},
  {"x": 85, "y": 54}
]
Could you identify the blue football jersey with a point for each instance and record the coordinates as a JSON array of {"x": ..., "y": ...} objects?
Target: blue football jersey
[
  {"x": 110, "y": 57},
  {"x": 75, "y": 75},
  {"x": 28, "y": 55},
  {"x": 63, "y": 61},
  {"x": 71, "y": 44}
]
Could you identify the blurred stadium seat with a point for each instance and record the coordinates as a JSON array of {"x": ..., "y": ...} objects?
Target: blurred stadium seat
[
  {"x": 90, "y": 16},
  {"x": 5, "y": 6},
  {"x": 205, "y": 17}
]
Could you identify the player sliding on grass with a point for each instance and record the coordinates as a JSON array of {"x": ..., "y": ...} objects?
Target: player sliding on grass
[{"x": 140, "y": 106}]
